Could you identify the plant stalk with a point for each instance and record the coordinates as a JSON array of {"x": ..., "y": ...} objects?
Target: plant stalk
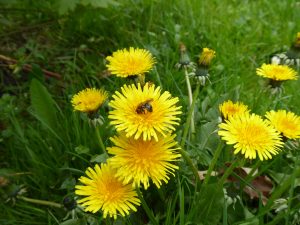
[
  {"x": 189, "y": 161},
  {"x": 40, "y": 202},
  {"x": 213, "y": 162},
  {"x": 146, "y": 208},
  {"x": 188, "y": 84},
  {"x": 189, "y": 117},
  {"x": 100, "y": 141}
]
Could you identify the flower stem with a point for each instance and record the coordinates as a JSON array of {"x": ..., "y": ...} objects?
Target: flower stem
[
  {"x": 189, "y": 161},
  {"x": 252, "y": 171},
  {"x": 100, "y": 140},
  {"x": 213, "y": 162},
  {"x": 228, "y": 172},
  {"x": 40, "y": 202},
  {"x": 189, "y": 117},
  {"x": 190, "y": 100},
  {"x": 146, "y": 208}
]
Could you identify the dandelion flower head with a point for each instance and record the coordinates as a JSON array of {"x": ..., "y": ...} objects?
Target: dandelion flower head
[
  {"x": 139, "y": 161},
  {"x": 89, "y": 99},
  {"x": 287, "y": 123},
  {"x": 135, "y": 61},
  {"x": 105, "y": 192},
  {"x": 228, "y": 109},
  {"x": 144, "y": 111},
  {"x": 251, "y": 136},
  {"x": 206, "y": 56},
  {"x": 277, "y": 72}
]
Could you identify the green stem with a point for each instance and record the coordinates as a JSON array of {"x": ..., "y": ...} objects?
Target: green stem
[
  {"x": 189, "y": 161},
  {"x": 213, "y": 162},
  {"x": 146, "y": 208},
  {"x": 40, "y": 202},
  {"x": 101, "y": 144},
  {"x": 189, "y": 117},
  {"x": 250, "y": 176},
  {"x": 228, "y": 172},
  {"x": 188, "y": 84}
]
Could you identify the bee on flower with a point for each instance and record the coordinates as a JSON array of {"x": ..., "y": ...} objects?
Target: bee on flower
[{"x": 144, "y": 111}]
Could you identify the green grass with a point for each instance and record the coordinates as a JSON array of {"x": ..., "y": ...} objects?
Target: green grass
[{"x": 46, "y": 146}]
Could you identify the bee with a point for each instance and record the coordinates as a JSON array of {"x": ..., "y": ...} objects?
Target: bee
[{"x": 145, "y": 106}]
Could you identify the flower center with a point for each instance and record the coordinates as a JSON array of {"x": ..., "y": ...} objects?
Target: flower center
[
  {"x": 288, "y": 125},
  {"x": 111, "y": 189},
  {"x": 253, "y": 134}
]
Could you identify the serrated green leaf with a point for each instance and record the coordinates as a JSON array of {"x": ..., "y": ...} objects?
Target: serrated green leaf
[
  {"x": 43, "y": 105},
  {"x": 64, "y": 6},
  {"x": 99, "y": 3},
  {"x": 74, "y": 222},
  {"x": 82, "y": 149},
  {"x": 99, "y": 158},
  {"x": 208, "y": 206}
]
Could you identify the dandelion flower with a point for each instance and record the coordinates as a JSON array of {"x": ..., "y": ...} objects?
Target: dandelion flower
[
  {"x": 89, "y": 99},
  {"x": 287, "y": 123},
  {"x": 144, "y": 111},
  {"x": 106, "y": 193},
  {"x": 251, "y": 135},
  {"x": 124, "y": 63},
  {"x": 206, "y": 56},
  {"x": 277, "y": 72},
  {"x": 139, "y": 161},
  {"x": 228, "y": 109}
]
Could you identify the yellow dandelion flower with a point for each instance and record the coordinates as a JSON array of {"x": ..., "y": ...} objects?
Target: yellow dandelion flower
[
  {"x": 228, "y": 109},
  {"x": 287, "y": 123},
  {"x": 89, "y": 99},
  {"x": 277, "y": 72},
  {"x": 139, "y": 161},
  {"x": 106, "y": 193},
  {"x": 251, "y": 135},
  {"x": 144, "y": 111},
  {"x": 124, "y": 63},
  {"x": 206, "y": 56}
]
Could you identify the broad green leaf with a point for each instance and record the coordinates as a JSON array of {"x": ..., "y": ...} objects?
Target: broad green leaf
[
  {"x": 74, "y": 222},
  {"x": 99, "y": 3},
  {"x": 64, "y": 6},
  {"x": 99, "y": 158},
  {"x": 208, "y": 205},
  {"x": 43, "y": 105},
  {"x": 82, "y": 149}
]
